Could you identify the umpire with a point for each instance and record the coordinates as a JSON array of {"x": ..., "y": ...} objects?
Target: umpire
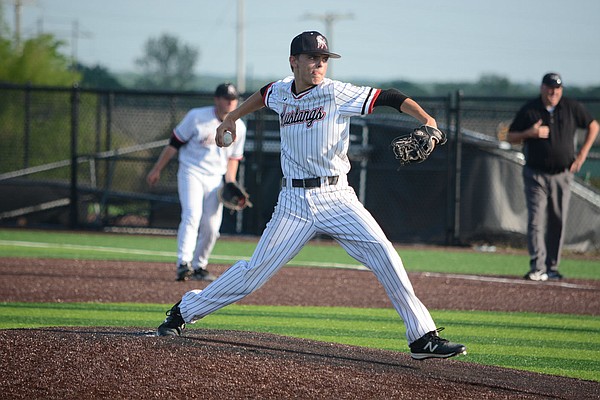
[{"x": 547, "y": 126}]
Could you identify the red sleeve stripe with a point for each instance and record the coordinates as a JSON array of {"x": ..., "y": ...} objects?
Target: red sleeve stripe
[
  {"x": 372, "y": 104},
  {"x": 264, "y": 91}
]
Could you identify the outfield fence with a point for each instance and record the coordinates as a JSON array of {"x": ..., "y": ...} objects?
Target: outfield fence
[{"x": 77, "y": 158}]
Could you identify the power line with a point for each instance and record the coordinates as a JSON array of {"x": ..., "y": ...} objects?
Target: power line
[
  {"x": 329, "y": 19},
  {"x": 240, "y": 53},
  {"x": 18, "y": 9},
  {"x": 76, "y": 34}
]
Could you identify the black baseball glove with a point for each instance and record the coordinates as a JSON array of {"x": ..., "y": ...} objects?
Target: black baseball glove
[
  {"x": 418, "y": 145},
  {"x": 234, "y": 197}
]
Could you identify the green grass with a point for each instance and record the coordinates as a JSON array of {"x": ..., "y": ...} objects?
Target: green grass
[
  {"x": 550, "y": 343},
  {"x": 90, "y": 246},
  {"x": 555, "y": 344}
]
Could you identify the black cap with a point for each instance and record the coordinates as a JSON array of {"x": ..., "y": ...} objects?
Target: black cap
[
  {"x": 227, "y": 90},
  {"x": 552, "y": 79},
  {"x": 311, "y": 42}
]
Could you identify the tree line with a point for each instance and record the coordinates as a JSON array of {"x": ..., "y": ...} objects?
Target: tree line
[{"x": 168, "y": 64}]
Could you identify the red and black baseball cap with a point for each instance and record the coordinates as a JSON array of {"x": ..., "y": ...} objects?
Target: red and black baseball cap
[
  {"x": 227, "y": 91},
  {"x": 311, "y": 42},
  {"x": 552, "y": 79}
]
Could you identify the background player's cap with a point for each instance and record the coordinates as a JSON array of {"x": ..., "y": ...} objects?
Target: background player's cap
[
  {"x": 227, "y": 90},
  {"x": 311, "y": 42},
  {"x": 552, "y": 79}
]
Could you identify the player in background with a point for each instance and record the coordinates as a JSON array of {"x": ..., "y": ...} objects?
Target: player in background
[
  {"x": 202, "y": 167},
  {"x": 546, "y": 126},
  {"x": 315, "y": 198}
]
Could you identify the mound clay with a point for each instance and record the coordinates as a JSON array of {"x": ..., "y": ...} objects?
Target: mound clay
[{"x": 129, "y": 363}]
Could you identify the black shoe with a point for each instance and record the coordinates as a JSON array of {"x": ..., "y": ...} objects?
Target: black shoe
[
  {"x": 184, "y": 271},
  {"x": 431, "y": 345},
  {"x": 554, "y": 275},
  {"x": 173, "y": 324},
  {"x": 201, "y": 274}
]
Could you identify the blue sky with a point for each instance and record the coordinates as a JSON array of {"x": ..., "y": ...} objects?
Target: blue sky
[{"x": 419, "y": 41}]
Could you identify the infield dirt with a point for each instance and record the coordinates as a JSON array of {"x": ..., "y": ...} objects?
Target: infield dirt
[{"x": 115, "y": 363}]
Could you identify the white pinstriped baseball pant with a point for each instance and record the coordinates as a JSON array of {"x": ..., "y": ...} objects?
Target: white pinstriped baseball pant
[{"x": 301, "y": 214}]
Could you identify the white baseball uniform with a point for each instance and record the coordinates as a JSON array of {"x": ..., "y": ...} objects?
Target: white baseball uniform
[
  {"x": 202, "y": 165},
  {"x": 315, "y": 126}
]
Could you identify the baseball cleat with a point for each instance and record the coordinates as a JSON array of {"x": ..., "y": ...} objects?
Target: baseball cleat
[
  {"x": 431, "y": 345},
  {"x": 184, "y": 271},
  {"x": 554, "y": 275},
  {"x": 538, "y": 276},
  {"x": 173, "y": 325},
  {"x": 201, "y": 274}
]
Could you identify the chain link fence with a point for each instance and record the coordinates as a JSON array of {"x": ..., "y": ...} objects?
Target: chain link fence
[{"x": 78, "y": 158}]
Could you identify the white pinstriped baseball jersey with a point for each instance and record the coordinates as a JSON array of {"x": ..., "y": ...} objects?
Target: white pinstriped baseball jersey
[
  {"x": 201, "y": 154},
  {"x": 314, "y": 141},
  {"x": 315, "y": 125}
]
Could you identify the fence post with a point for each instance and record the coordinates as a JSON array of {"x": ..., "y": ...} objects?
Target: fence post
[
  {"x": 457, "y": 169},
  {"x": 450, "y": 176},
  {"x": 74, "y": 205},
  {"x": 110, "y": 105},
  {"x": 27, "y": 126}
]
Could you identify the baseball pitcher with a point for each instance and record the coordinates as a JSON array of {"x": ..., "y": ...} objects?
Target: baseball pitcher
[{"x": 315, "y": 198}]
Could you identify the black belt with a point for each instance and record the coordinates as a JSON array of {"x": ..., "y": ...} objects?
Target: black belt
[
  {"x": 310, "y": 182},
  {"x": 550, "y": 171},
  {"x": 555, "y": 171}
]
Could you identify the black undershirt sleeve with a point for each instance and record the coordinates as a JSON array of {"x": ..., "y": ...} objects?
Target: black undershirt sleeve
[
  {"x": 175, "y": 142},
  {"x": 391, "y": 98}
]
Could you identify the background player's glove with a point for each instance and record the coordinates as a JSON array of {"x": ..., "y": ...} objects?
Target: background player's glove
[
  {"x": 418, "y": 145},
  {"x": 234, "y": 197}
]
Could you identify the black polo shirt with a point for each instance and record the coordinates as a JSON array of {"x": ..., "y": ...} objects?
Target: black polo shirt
[{"x": 557, "y": 152}]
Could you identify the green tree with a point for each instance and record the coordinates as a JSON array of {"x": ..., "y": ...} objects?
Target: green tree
[
  {"x": 37, "y": 61},
  {"x": 98, "y": 77},
  {"x": 167, "y": 64},
  {"x": 494, "y": 85},
  {"x": 407, "y": 87}
]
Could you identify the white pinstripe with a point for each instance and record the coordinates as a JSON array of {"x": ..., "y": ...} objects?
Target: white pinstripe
[
  {"x": 299, "y": 216},
  {"x": 317, "y": 148},
  {"x": 314, "y": 143}
]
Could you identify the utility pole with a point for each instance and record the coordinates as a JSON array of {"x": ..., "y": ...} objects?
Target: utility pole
[
  {"x": 329, "y": 18},
  {"x": 76, "y": 33},
  {"x": 240, "y": 55},
  {"x": 18, "y": 7}
]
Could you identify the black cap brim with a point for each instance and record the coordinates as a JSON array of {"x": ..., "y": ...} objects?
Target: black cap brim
[
  {"x": 553, "y": 84},
  {"x": 324, "y": 53},
  {"x": 331, "y": 55}
]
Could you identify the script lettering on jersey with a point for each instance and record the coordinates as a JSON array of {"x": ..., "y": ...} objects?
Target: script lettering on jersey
[{"x": 297, "y": 116}]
